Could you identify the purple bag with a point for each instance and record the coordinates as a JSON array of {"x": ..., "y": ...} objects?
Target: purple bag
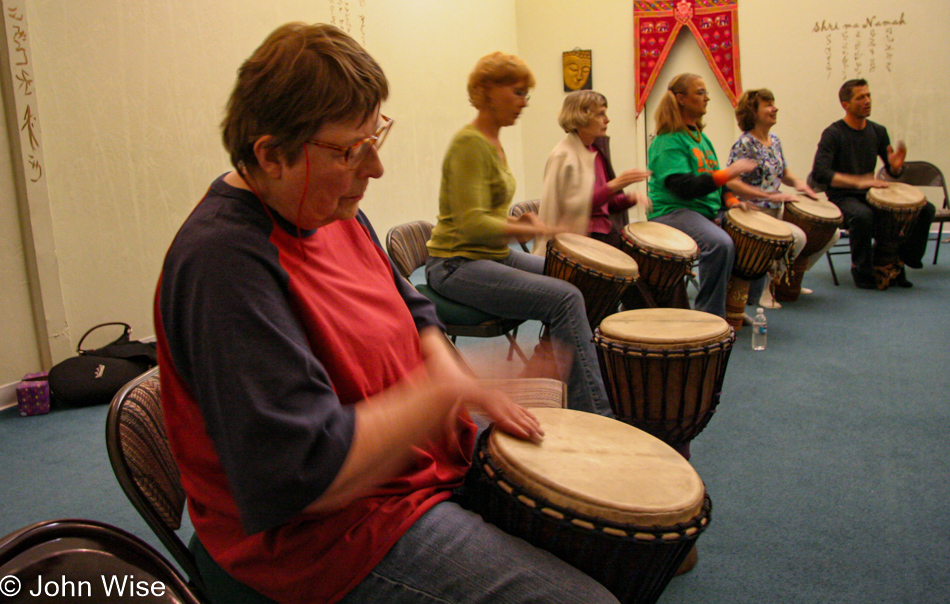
[{"x": 32, "y": 394}]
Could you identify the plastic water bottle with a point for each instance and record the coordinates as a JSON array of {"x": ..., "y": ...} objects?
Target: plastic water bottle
[{"x": 760, "y": 330}]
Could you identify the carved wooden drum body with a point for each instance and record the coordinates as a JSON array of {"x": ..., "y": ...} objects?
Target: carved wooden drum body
[
  {"x": 664, "y": 368},
  {"x": 610, "y": 499},
  {"x": 760, "y": 240},
  {"x": 600, "y": 271},
  {"x": 820, "y": 220},
  {"x": 664, "y": 255}
]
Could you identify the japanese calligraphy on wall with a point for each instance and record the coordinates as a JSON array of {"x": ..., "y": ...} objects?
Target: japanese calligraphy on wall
[
  {"x": 352, "y": 21},
  {"x": 859, "y": 47},
  {"x": 21, "y": 69}
]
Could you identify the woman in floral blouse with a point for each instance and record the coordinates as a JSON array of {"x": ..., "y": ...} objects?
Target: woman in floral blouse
[{"x": 756, "y": 113}]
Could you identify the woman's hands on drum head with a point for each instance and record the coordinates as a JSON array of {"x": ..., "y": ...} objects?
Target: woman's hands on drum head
[
  {"x": 444, "y": 369},
  {"x": 779, "y": 197},
  {"x": 747, "y": 206},
  {"x": 509, "y": 417},
  {"x": 802, "y": 187}
]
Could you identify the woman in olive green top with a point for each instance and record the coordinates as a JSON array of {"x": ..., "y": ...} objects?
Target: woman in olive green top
[{"x": 470, "y": 258}]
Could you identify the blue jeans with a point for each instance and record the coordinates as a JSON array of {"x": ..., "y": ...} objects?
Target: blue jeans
[
  {"x": 716, "y": 256},
  {"x": 515, "y": 288},
  {"x": 451, "y": 555}
]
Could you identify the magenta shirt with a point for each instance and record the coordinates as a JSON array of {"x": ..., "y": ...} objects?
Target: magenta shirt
[{"x": 604, "y": 202}]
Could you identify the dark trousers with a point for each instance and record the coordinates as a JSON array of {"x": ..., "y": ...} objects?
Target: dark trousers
[{"x": 859, "y": 220}]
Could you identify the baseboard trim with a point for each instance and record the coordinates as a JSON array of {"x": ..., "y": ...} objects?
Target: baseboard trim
[
  {"x": 8, "y": 395},
  {"x": 8, "y": 391}
]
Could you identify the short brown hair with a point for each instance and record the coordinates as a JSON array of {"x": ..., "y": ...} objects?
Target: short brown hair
[
  {"x": 301, "y": 77},
  {"x": 748, "y": 106},
  {"x": 847, "y": 89},
  {"x": 496, "y": 69},
  {"x": 578, "y": 107}
]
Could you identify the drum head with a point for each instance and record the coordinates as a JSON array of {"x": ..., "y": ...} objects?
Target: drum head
[
  {"x": 820, "y": 208},
  {"x": 602, "y": 468},
  {"x": 662, "y": 238},
  {"x": 665, "y": 328},
  {"x": 759, "y": 223},
  {"x": 897, "y": 196},
  {"x": 596, "y": 255}
]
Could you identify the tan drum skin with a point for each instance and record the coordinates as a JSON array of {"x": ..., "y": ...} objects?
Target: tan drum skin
[
  {"x": 609, "y": 499},
  {"x": 663, "y": 368},
  {"x": 897, "y": 197},
  {"x": 596, "y": 254},
  {"x": 600, "y": 271},
  {"x": 662, "y": 239},
  {"x": 819, "y": 219},
  {"x": 760, "y": 239},
  {"x": 665, "y": 256},
  {"x": 602, "y": 468}
]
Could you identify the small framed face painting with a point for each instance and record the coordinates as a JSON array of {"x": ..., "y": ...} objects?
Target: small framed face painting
[{"x": 577, "y": 70}]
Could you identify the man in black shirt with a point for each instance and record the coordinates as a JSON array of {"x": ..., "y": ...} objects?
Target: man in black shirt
[{"x": 844, "y": 165}]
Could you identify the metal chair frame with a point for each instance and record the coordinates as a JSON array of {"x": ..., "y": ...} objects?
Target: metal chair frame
[
  {"x": 523, "y": 207},
  {"x": 842, "y": 246},
  {"x": 925, "y": 174},
  {"x": 84, "y": 551},
  {"x": 150, "y": 480}
]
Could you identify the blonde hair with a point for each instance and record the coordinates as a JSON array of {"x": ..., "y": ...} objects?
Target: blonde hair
[
  {"x": 669, "y": 116},
  {"x": 496, "y": 69},
  {"x": 578, "y": 108}
]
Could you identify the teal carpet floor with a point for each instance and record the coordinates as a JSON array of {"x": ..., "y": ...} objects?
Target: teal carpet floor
[{"x": 827, "y": 461}]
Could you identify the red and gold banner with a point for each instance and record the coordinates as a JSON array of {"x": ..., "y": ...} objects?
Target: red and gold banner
[{"x": 714, "y": 23}]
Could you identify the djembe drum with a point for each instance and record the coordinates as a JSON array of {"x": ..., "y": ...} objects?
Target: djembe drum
[
  {"x": 600, "y": 271},
  {"x": 665, "y": 256},
  {"x": 820, "y": 219},
  {"x": 663, "y": 369},
  {"x": 759, "y": 240},
  {"x": 895, "y": 210},
  {"x": 609, "y": 499}
]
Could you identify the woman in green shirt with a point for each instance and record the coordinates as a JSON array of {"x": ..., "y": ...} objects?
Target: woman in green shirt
[
  {"x": 470, "y": 260},
  {"x": 688, "y": 187}
]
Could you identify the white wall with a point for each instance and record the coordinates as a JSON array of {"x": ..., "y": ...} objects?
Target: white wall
[
  {"x": 779, "y": 50},
  {"x": 131, "y": 94},
  {"x": 130, "y": 97},
  {"x": 546, "y": 30},
  {"x": 17, "y": 334}
]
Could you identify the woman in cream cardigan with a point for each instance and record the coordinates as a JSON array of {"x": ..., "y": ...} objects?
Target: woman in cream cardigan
[{"x": 581, "y": 193}]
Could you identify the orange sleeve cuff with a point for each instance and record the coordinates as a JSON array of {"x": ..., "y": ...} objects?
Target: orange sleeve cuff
[
  {"x": 730, "y": 200},
  {"x": 720, "y": 177}
]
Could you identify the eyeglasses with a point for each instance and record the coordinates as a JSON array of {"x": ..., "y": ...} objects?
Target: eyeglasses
[{"x": 356, "y": 153}]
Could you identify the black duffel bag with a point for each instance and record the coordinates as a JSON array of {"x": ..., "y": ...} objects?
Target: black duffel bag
[{"x": 93, "y": 377}]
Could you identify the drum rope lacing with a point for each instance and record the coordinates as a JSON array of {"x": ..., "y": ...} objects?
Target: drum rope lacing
[
  {"x": 576, "y": 266},
  {"x": 783, "y": 253},
  {"x": 569, "y": 520},
  {"x": 652, "y": 413},
  {"x": 657, "y": 255}
]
